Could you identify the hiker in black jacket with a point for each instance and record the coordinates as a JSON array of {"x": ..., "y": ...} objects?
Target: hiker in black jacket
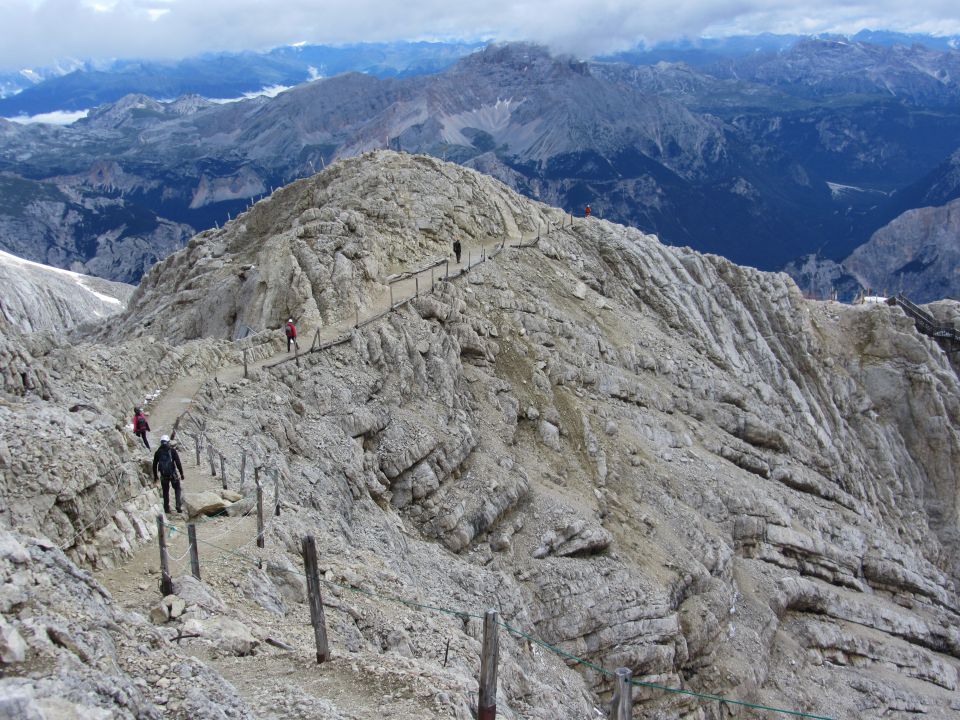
[{"x": 167, "y": 461}]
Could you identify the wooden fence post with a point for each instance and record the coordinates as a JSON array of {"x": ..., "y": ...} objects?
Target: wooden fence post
[
  {"x": 276, "y": 492},
  {"x": 223, "y": 470},
  {"x": 210, "y": 454},
  {"x": 621, "y": 707},
  {"x": 256, "y": 474},
  {"x": 194, "y": 552},
  {"x": 487, "y": 701},
  {"x": 166, "y": 582},
  {"x": 316, "y": 602}
]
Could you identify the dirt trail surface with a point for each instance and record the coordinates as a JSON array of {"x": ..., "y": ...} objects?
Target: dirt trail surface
[{"x": 277, "y": 683}]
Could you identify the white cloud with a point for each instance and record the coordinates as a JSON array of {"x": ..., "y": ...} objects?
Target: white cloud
[
  {"x": 37, "y": 32},
  {"x": 51, "y": 118}
]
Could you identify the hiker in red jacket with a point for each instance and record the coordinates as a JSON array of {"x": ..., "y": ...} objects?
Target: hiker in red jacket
[
  {"x": 291, "y": 331},
  {"x": 140, "y": 425}
]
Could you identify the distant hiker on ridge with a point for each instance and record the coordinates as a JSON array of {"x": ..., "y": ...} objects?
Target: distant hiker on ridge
[
  {"x": 457, "y": 249},
  {"x": 291, "y": 331},
  {"x": 167, "y": 461},
  {"x": 586, "y": 211},
  {"x": 140, "y": 425}
]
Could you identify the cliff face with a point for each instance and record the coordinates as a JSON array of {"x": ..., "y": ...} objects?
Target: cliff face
[
  {"x": 918, "y": 254},
  {"x": 646, "y": 456}
]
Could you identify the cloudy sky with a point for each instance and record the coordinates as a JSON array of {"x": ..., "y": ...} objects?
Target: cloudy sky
[{"x": 40, "y": 32}]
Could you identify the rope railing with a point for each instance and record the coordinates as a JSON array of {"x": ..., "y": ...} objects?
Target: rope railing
[{"x": 467, "y": 615}]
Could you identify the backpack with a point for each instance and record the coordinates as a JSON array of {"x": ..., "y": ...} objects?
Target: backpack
[
  {"x": 289, "y": 330},
  {"x": 165, "y": 463},
  {"x": 141, "y": 423}
]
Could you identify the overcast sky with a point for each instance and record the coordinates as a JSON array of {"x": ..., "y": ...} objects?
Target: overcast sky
[{"x": 40, "y": 32}]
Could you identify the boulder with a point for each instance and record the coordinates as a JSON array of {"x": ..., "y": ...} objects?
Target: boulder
[
  {"x": 12, "y": 647},
  {"x": 205, "y": 503}
]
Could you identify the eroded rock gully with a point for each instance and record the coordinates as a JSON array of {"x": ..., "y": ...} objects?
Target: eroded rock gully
[{"x": 645, "y": 456}]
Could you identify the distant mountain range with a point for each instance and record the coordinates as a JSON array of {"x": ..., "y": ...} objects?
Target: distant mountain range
[
  {"x": 81, "y": 86},
  {"x": 801, "y": 148}
]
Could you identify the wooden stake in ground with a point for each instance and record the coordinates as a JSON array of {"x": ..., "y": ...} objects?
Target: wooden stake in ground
[
  {"x": 316, "y": 601},
  {"x": 210, "y": 459},
  {"x": 166, "y": 582},
  {"x": 194, "y": 552},
  {"x": 621, "y": 707},
  {"x": 487, "y": 705},
  {"x": 256, "y": 474},
  {"x": 243, "y": 467},
  {"x": 223, "y": 470},
  {"x": 276, "y": 492}
]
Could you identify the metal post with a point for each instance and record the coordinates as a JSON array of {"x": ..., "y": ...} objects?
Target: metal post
[
  {"x": 621, "y": 707},
  {"x": 356, "y": 311},
  {"x": 166, "y": 582},
  {"x": 448, "y": 270},
  {"x": 196, "y": 444},
  {"x": 316, "y": 602},
  {"x": 194, "y": 552},
  {"x": 246, "y": 372},
  {"x": 487, "y": 704},
  {"x": 416, "y": 283},
  {"x": 469, "y": 257},
  {"x": 391, "y": 296},
  {"x": 223, "y": 470}
]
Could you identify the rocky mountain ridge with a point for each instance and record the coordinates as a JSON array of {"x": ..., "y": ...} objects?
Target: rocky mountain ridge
[
  {"x": 643, "y": 455},
  {"x": 742, "y": 168}
]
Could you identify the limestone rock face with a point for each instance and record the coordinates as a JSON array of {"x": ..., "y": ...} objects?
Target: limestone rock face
[
  {"x": 917, "y": 253},
  {"x": 97, "y": 654},
  {"x": 690, "y": 470}
]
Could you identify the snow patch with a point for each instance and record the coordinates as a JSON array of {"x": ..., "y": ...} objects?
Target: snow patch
[
  {"x": 75, "y": 277},
  {"x": 270, "y": 91}
]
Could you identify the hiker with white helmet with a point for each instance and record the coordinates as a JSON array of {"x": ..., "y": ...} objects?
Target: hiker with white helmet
[{"x": 167, "y": 461}]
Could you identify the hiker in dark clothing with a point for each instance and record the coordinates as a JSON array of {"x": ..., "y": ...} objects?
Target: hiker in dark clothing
[
  {"x": 140, "y": 425},
  {"x": 457, "y": 249},
  {"x": 291, "y": 331},
  {"x": 167, "y": 461}
]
